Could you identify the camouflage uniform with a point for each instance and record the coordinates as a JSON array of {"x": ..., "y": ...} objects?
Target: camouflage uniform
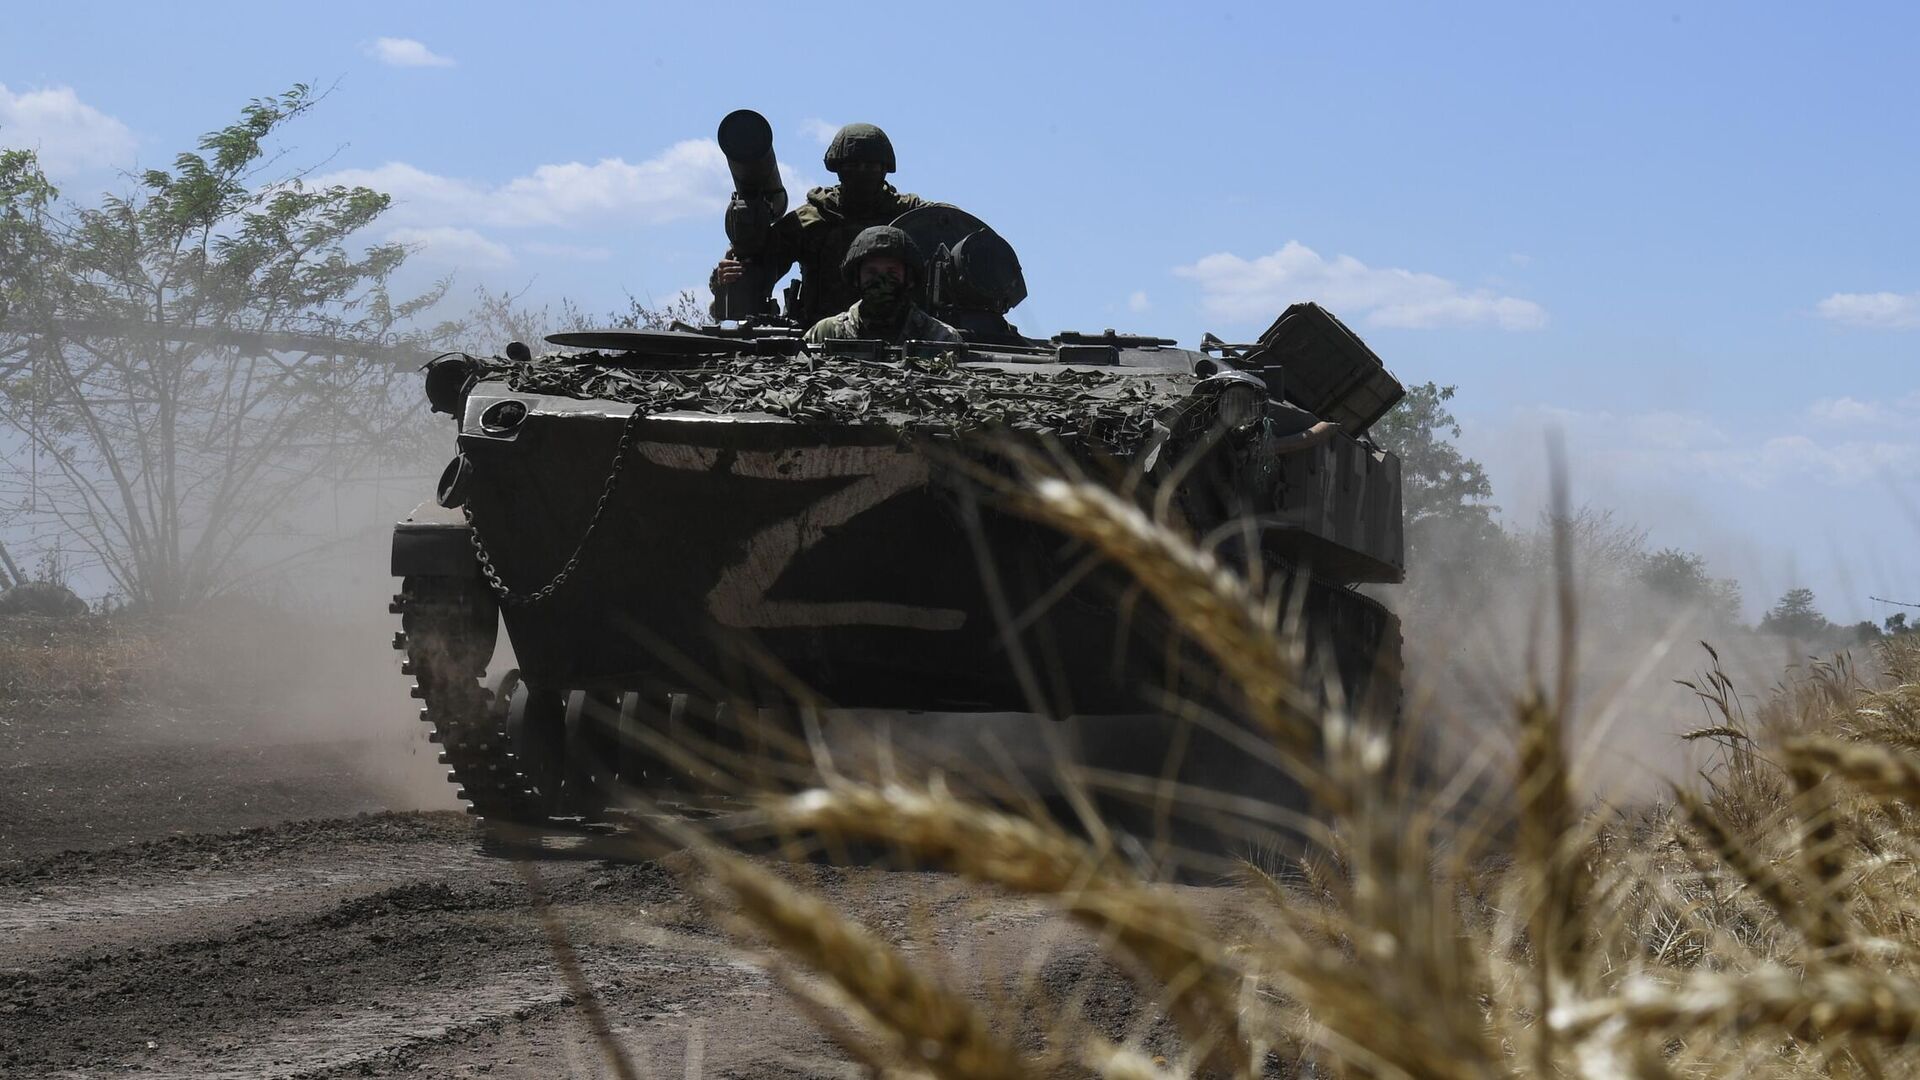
[
  {"x": 918, "y": 326},
  {"x": 885, "y": 310},
  {"x": 817, "y": 234}
]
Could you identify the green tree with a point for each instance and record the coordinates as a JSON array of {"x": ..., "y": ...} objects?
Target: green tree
[
  {"x": 1796, "y": 616},
  {"x": 1682, "y": 576},
  {"x": 25, "y": 196},
  {"x": 182, "y": 361},
  {"x": 1445, "y": 493},
  {"x": 498, "y": 318}
]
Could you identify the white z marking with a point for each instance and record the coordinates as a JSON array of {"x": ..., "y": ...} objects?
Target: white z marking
[{"x": 739, "y": 598}]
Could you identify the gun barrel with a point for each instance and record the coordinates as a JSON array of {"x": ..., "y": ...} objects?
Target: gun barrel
[{"x": 747, "y": 140}]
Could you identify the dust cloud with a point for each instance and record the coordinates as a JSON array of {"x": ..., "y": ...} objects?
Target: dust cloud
[
  {"x": 1481, "y": 623},
  {"x": 298, "y": 677},
  {"x": 297, "y": 659}
]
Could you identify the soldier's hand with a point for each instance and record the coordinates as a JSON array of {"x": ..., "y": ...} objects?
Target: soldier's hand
[{"x": 729, "y": 271}]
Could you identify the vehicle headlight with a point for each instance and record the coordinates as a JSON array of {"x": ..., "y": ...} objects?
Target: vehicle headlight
[
  {"x": 1240, "y": 406},
  {"x": 503, "y": 416},
  {"x": 1239, "y": 402}
]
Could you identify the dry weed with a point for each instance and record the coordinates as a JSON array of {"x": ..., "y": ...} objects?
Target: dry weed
[
  {"x": 917, "y": 1022},
  {"x": 1569, "y": 941},
  {"x": 1149, "y": 927},
  {"x": 92, "y": 659}
]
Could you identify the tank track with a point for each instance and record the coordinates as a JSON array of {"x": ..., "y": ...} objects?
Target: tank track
[{"x": 448, "y": 627}]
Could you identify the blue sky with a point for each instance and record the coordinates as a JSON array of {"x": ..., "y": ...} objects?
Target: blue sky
[{"x": 1682, "y": 234}]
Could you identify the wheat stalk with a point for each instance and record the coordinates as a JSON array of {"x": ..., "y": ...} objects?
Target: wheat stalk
[
  {"x": 1211, "y": 604},
  {"x": 1551, "y": 863},
  {"x": 1878, "y": 770},
  {"x": 1548, "y": 827},
  {"x": 1151, "y": 928},
  {"x": 934, "y": 1029},
  {"x": 1374, "y": 1017},
  {"x": 1825, "y": 1003},
  {"x": 1818, "y": 847},
  {"x": 1759, "y": 875}
]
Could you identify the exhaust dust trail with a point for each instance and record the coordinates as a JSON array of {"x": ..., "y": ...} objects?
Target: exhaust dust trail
[{"x": 1476, "y": 610}]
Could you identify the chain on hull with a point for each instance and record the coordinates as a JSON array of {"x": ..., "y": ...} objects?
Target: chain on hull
[{"x": 448, "y": 628}]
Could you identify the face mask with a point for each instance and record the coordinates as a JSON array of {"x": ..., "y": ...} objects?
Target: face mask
[
  {"x": 861, "y": 189},
  {"x": 882, "y": 294}
]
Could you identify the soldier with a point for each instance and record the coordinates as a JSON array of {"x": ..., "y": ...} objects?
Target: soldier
[
  {"x": 817, "y": 234},
  {"x": 884, "y": 265}
]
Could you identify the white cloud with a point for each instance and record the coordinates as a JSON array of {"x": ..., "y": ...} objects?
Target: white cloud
[
  {"x": 1849, "y": 412},
  {"x": 406, "y": 52},
  {"x": 1674, "y": 431},
  {"x": 462, "y": 248},
  {"x": 1654, "y": 449},
  {"x": 1846, "y": 464},
  {"x": 818, "y": 130},
  {"x": 68, "y": 133},
  {"x": 1771, "y": 502},
  {"x": 688, "y": 179},
  {"x": 574, "y": 252},
  {"x": 1137, "y": 301},
  {"x": 1460, "y": 309},
  {"x": 1247, "y": 290},
  {"x": 1886, "y": 310}
]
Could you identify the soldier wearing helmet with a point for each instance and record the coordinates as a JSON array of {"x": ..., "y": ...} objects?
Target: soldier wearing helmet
[
  {"x": 884, "y": 264},
  {"x": 818, "y": 233}
]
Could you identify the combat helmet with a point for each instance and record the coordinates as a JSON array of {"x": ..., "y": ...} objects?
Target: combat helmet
[
  {"x": 858, "y": 144},
  {"x": 882, "y": 240}
]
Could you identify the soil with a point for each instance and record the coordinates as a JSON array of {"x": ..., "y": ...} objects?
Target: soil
[{"x": 203, "y": 894}]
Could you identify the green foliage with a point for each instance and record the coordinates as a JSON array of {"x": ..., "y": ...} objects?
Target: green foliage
[
  {"x": 683, "y": 307},
  {"x": 1456, "y": 552},
  {"x": 1796, "y": 616},
  {"x": 498, "y": 318},
  {"x": 1682, "y": 576},
  {"x": 25, "y": 195},
  {"x": 1438, "y": 482},
  {"x": 185, "y": 358},
  {"x": 1893, "y": 626}
]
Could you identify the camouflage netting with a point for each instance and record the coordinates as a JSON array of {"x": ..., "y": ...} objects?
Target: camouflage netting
[{"x": 1114, "y": 411}]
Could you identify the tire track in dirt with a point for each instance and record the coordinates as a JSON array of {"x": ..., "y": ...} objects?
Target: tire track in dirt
[
  {"x": 118, "y": 911},
  {"x": 280, "y": 952},
  {"x": 397, "y": 944},
  {"x": 343, "y": 948},
  {"x": 189, "y": 942}
]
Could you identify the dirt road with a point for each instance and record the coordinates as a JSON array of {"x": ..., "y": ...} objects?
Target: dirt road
[{"x": 180, "y": 943}]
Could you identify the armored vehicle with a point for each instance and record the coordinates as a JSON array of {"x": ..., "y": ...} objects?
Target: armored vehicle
[{"x": 667, "y": 520}]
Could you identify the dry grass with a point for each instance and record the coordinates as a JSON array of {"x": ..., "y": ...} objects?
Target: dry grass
[
  {"x": 254, "y": 653},
  {"x": 900, "y": 1014},
  {"x": 1179, "y": 959},
  {"x": 93, "y": 659},
  {"x": 1766, "y": 924}
]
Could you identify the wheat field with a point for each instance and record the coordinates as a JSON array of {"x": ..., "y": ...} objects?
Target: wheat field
[{"x": 1760, "y": 921}]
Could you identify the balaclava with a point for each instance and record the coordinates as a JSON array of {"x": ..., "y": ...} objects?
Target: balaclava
[
  {"x": 861, "y": 190},
  {"x": 883, "y": 300}
]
